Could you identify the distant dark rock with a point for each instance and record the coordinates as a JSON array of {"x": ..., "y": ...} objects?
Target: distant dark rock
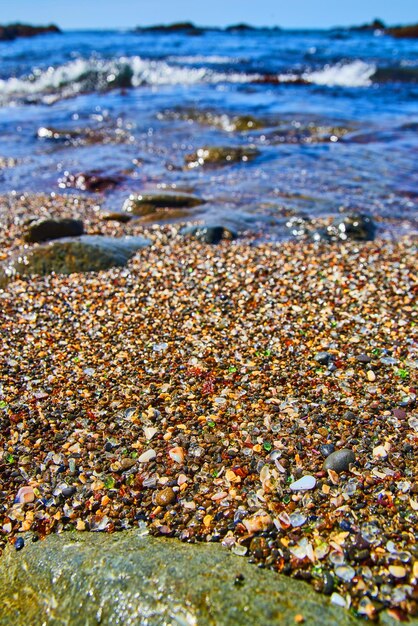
[
  {"x": 220, "y": 155},
  {"x": 403, "y": 32},
  {"x": 240, "y": 28},
  {"x": 44, "y": 230},
  {"x": 13, "y": 31},
  {"x": 88, "y": 253},
  {"x": 370, "y": 26},
  {"x": 209, "y": 234},
  {"x": 187, "y": 28},
  {"x": 396, "y": 74}
]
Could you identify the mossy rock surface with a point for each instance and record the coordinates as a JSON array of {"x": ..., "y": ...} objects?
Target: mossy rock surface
[
  {"x": 131, "y": 578},
  {"x": 150, "y": 203},
  {"x": 220, "y": 155},
  {"x": 89, "y": 253}
]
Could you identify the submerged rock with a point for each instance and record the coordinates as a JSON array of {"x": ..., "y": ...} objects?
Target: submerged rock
[
  {"x": 132, "y": 578},
  {"x": 220, "y": 155},
  {"x": 94, "y": 182},
  {"x": 88, "y": 253},
  {"x": 352, "y": 226},
  {"x": 356, "y": 226},
  {"x": 149, "y": 203},
  {"x": 114, "y": 216},
  {"x": 229, "y": 123},
  {"x": 208, "y": 234},
  {"x": 44, "y": 230}
]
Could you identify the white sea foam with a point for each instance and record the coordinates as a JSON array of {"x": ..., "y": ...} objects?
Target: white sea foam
[
  {"x": 86, "y": 75},
  {"x": 200, "y": 58},
  {"x": 354, "y": 74}
]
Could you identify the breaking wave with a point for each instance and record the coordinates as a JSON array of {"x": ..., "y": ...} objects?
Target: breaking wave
[
  {"x": 355, "y": 74},
  {"x": 97, "y": 75},
  {"x": 89, "y": 75}
]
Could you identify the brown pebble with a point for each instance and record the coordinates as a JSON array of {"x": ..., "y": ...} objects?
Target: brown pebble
[{"x": 165, "y": 496}]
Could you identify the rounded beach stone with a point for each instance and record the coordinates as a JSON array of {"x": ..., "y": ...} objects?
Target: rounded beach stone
[{"x": 340, "y": 460}]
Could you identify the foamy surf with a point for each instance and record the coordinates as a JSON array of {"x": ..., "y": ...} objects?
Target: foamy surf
[
  {"x": 89, "y": 75},
  {"x": 354, "y": 74}
]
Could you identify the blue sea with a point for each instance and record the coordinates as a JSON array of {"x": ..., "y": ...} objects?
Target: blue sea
[{"x": 332, "y": 116}]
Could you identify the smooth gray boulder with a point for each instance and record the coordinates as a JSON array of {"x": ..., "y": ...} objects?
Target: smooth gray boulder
[
  {"x": 88, "y": 253},
  {"x": 131, "y": 578}
]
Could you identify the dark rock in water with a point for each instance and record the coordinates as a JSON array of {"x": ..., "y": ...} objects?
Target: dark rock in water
[
  {"x": 220, "y": 155},
  {"x": 56, "y": 134},
  {"x": 86, "y": 135},
  {"x": 403, "y": 32},
  {"x": 229, "y": 123},
  {"x": 323, "y": 357},
  {"x": 123, "y": 218},
  {"x": 89, "y": 253},
  {"x": 353, "y": 226},
  {"x": 240, "y": 28},
  {"x": 208, "y": 234},
  {"x": 13, "y": 31},
  {"x": 93, "y": 182},
  {"x": 149, "y": 203},
  {"x": 370, "y": 26},
  {"x": 340, "y": 460},
  {"x": 44, "y": 230},
  {"x": 396, "y": 74},
  {"x": 131, "y": 578},
  {"x": 326, "y": 449},
  {"x": 185, "y": 28}
]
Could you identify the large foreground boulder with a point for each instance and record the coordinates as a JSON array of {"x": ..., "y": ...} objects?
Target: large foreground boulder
[
  {"x": 131, "y": 578},
  {"x": 88, "y": 253}
]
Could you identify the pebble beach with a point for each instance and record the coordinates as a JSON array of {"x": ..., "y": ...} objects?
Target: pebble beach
[{"x": 260, "y": 396}]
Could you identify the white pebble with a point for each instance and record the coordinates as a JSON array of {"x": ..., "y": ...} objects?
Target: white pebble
[
  {"x": 304, "y": 483},
  {"x": 147, "y": 456}
]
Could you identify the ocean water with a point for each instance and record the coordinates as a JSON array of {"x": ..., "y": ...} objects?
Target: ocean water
[{"x": 333, "y": 116}]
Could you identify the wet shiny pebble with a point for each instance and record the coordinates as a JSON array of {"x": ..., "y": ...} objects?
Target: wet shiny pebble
[{"x": 19, "y": 543}]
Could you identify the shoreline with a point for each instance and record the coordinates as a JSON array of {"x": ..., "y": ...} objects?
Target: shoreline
[{"x": 188, "y": 390}]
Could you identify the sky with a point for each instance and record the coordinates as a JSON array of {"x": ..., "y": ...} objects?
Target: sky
[{"x": 131, "y": 13}]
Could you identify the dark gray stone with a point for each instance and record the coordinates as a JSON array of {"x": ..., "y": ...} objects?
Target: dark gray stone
[
  {"x": 340, "y": 460},
  {"x": 326, "y": 449},
  {"x": 353, "y": 226},
  {"x": 45, "y": 230},
  {"x": 209, "y": 234},
  {"x": 323, "y": 357}
]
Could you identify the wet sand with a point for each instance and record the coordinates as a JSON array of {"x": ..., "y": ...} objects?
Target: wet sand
[{"x": 193, "y": 389}]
